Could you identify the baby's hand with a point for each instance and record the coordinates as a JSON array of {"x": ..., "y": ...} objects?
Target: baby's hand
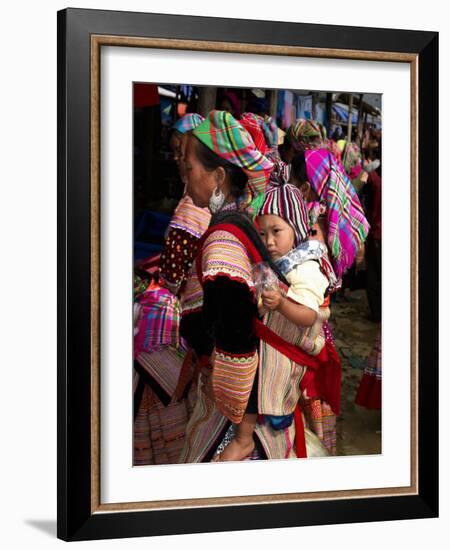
[{"x": 271, "y": 299}]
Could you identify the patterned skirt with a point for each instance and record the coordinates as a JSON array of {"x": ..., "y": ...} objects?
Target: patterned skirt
[
  {"x": 160, "y": 422},
  {"x": 159, "y": 430},
  {"x": 319, "y": 416}
]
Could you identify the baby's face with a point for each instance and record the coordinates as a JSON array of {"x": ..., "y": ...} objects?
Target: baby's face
[{"x": 277, "y": 235}]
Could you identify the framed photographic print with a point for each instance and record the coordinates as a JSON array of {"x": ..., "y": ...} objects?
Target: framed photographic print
[{"x": 176, "y": 311}]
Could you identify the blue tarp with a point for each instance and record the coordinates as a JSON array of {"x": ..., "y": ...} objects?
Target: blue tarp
[
  {"x": 149, "y": 230},
  {"x": 343, "y": 113}
]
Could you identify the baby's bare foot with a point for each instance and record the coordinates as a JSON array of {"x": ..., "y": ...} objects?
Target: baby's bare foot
[{"x": 235, "y": 450}]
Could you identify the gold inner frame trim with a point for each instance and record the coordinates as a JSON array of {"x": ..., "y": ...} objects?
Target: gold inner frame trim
[
  {"x": 234, "y": 47},
  {"x": 229, "y": 47}
]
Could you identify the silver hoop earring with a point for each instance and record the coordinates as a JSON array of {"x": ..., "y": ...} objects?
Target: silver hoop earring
[{"x": 216, "y": 201}]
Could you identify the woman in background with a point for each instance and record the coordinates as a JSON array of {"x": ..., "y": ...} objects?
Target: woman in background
[
  {"x": 160, "y": 421},
  {"x": 338, "y": 219}
]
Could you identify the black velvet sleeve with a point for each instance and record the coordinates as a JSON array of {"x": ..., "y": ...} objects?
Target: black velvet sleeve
[
  {"x": 192, "y": 328},
  {"x": 228, "y": 313},
  {"x": 226, "y": 320}
]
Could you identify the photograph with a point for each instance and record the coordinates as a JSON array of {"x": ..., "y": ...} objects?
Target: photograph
[
  {"x": 225, "y": 259},
  {"x": 234, "y": 340},
  {"x": 257, "y": 273}
]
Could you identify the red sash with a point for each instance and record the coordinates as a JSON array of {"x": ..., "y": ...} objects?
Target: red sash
[{"x": 292, "y": 351}]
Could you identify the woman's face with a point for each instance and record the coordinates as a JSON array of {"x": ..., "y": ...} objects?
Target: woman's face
[
  {"x": 177, "y": 144},
  {"x": 277, "y": 235},
  {"x": 200, "y": 182}
]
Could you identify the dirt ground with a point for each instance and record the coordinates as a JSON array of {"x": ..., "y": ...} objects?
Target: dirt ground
[{"x": 358, "y": 429}]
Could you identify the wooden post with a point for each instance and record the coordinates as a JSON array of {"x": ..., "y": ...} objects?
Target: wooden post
[
  {"x": 349, "y": 126},
  {"x": 360, "y": 120},
  {"x": 329, "y": 109},
  {"x": 273, "y": 103},
  {"x": 365, "y": 124},
  {"x": 206, "y": 100},
  {"x": 314, "y": 101}
]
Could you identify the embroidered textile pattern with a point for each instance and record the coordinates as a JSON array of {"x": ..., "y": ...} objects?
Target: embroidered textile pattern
[
  {"x": 177, "y": 257},
  {"x": 232, "y": 381},
  {"x": 224, "y": 135},
  {"x": 159, "y": 430},
  {"x": 322, "y": 421},
  {"x": 279, "y": 377},
  {"x": 203, "y": 429},
  {"x": 188, "y": 122},
  {"x": 224, "y": 254},
  {"x": 159, "y": 321},
  {"x": 347, "y": 226},
  {"x": 163, "y": 366},
  {"x": 190, "y": 218},
  {"x": 192, "y": 296}
]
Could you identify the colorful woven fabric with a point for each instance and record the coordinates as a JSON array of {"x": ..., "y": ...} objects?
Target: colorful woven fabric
[
  {"x": 327, "y": 429},
  {"x": 140, "y": 283},
  {"x": 254, "y": 127},
  {"x": 190, "y": 218},
  {"x": 279, "y": 377},
  {"x": 325, "y": 382},
  {"x": 232, "y": 381},
  {"x": 276, "y": 443},
  {"x": 205, "y": 429},
  {"x": 159, "y": 321},
  {"x": 188, "y": 122},
  {"x": 322, "y": 422},
  {"x": 286, "y": 202},
  {"x": 351, "y": 159},
  {"x": 280, "y": 173},
  {"x": 334, "y": 149},
  {"x": 273, "y": 155},
  {"x": 306, "y": 134},
  {"x": 226, "y": 137},
  {"x": 224, "y": 259},
  {"x": 192, "y": 297},
  {"x": 224, "y": 254},
  {"x": 158, "y": 431},
  {"x": 187, "y": 225},
  {"x": 347, "y": 227},
  {"x": 270, "y": 130},
  {"x": 163, "y": 366},
  {"x": 268, "y": 127}
]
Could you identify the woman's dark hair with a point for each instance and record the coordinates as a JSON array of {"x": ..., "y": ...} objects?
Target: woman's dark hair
[
  {"x": 299, "y": 173},
  {"x": 285, "y": 146},
  {"x": 211, "y": 161},
  {"x": 298, "y": 168}
]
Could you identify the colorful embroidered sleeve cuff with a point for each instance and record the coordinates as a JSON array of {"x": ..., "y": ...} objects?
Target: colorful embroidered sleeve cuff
[
  {"x": 225, "y": 255},
  {"x": 232, "y": 381}
]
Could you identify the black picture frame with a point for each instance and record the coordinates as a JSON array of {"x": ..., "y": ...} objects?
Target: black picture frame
[{"x": 76, "y": 518}]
